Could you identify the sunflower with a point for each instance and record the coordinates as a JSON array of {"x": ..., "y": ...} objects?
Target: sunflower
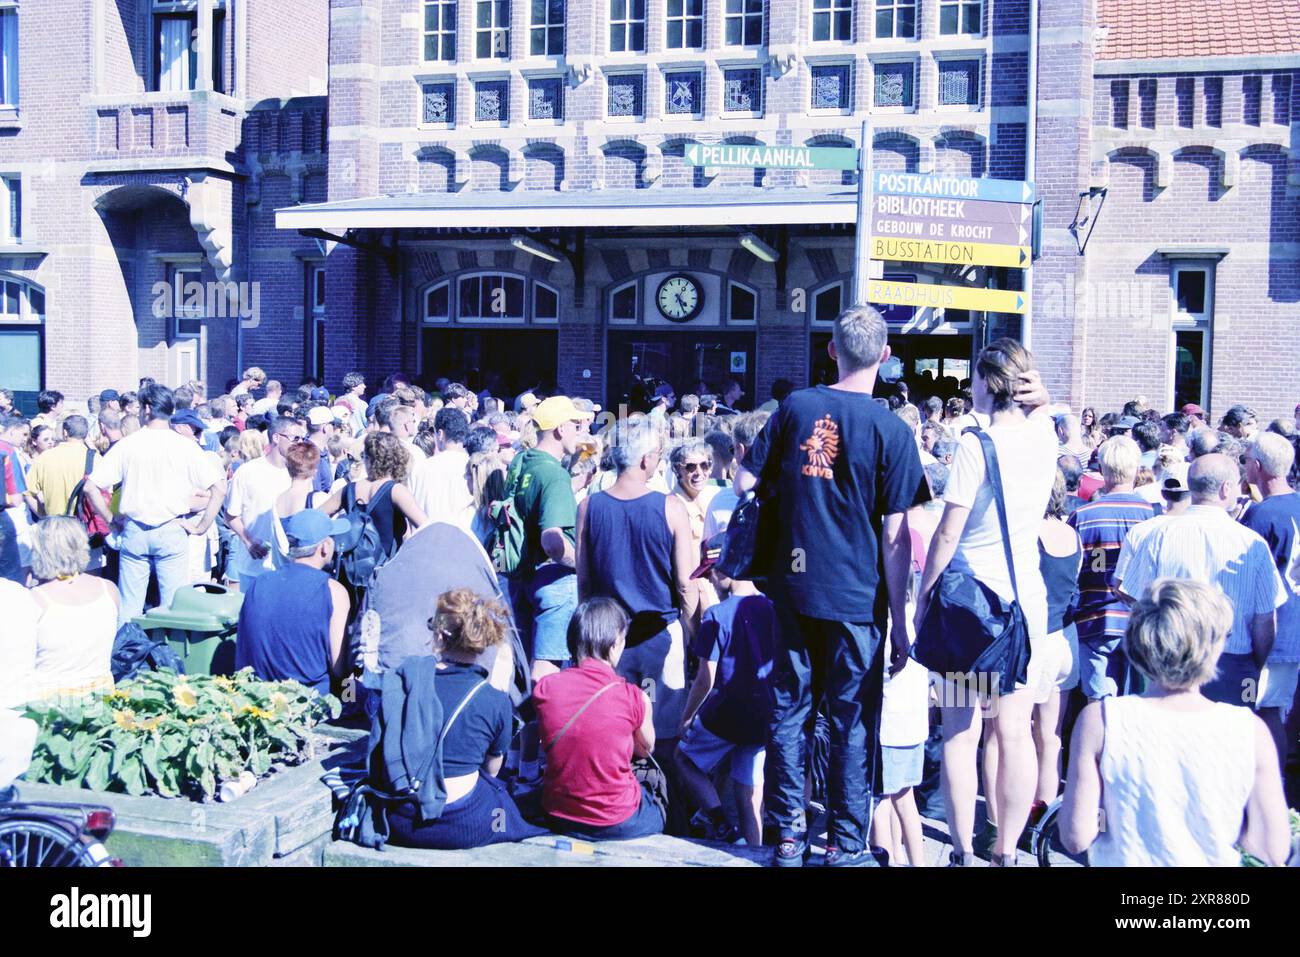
[
  {"x": 125, "y": 719},
  {"x": 184, "y": 696},
  {"x": 279, "y": 702}
]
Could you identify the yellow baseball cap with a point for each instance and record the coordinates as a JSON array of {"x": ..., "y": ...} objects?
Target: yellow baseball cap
[{"x": 555, "y": 411}]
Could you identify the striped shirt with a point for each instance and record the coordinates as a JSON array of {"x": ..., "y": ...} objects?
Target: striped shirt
[
  {"x": 1103, "y": 525},
  {"x": 1204, "y": 544}
]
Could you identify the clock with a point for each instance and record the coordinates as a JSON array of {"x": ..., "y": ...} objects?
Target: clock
[{"x": 679, "y": 298}]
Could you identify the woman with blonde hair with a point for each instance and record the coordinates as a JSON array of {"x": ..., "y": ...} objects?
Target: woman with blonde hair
[
  {"x": 1181, "y": 780},
  {"x": 476, "y": 731},
  {"x": 1006, "y": 387},
  {"x": 74, "y": 635},
  {"x": 487, "y": 483},
  {"x": 252, "y": 445}
]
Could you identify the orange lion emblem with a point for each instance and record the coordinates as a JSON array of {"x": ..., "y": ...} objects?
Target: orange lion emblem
[{"x": 823, "y": 448}]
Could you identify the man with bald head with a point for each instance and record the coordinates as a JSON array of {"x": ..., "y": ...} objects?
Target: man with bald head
[{"x": 1205, "y": 544}]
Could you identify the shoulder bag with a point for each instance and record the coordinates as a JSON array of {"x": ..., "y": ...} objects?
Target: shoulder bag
[{"x": 968, "y": 628}]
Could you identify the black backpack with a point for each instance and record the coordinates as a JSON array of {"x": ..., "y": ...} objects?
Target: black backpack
[
  {"x": 135, "y": 651},
  {"x": 360, "y": 549}
]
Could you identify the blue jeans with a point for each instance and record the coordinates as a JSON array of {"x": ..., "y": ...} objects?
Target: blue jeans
[
  {"x": 164, "y": 549},
  {"x": 644, "y": 822},
  {"x": 1103, "y": 667},
  {"x": 543, "y": 604},
  {"x": 840, "y": 660}
]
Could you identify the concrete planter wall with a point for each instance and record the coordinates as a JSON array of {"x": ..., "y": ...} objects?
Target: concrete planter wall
[{"x": 285, "y": 820}]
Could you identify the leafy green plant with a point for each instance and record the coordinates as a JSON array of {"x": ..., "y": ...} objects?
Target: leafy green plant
[{"x": 175, "y": 734}]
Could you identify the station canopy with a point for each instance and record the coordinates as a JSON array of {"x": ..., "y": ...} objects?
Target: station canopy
[{"x": 721, "y": 206}]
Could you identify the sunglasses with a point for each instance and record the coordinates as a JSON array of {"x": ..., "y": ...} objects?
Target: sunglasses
[{"x": 694, "y": 466}]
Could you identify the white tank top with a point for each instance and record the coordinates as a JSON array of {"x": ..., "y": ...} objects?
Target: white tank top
[
  {"x": 1174, "y": 784},
  {"x": 74, "y": 644}
]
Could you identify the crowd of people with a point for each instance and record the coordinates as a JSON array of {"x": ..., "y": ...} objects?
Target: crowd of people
[{"x": 606, "y": 671}]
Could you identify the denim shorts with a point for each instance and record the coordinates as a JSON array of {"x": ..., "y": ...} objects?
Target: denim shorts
[
  {"x": 901, "y": 768},
  {"x": 1101, "y": 666},
  {"x": 1277, "y": 685},
  {"x": 543, "y": 606},
  {"x": 706, "y": 751}
]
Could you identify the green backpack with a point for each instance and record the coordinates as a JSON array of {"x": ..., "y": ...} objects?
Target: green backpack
[{"x": 508, "y": 542}]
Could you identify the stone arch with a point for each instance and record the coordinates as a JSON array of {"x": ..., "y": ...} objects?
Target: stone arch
[
  {"x": 896, "y": 152},
  {"x": 625, "y": 161},
  {"x": 435, "y": 170},
  {"x": 960, "y": 153},
  {"x": 831, "y": 177},
  {"x": 739, "y": 175},
  {"x": 1144, "y": 160},
  {"x": 489, "y": 169},
  {"x": 544, "y": 167}
]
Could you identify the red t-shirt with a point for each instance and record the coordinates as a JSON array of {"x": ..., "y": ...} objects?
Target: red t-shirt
[
  {"x": 589, "y": 772},
  {"x": 1089, "y": 485}
]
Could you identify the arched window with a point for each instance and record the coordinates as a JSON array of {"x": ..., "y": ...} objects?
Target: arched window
[
  {"x": 827, "y": 302},
  {"x": 742, "y": 303},
  {"x": 480, "y": 298},
  {"x": 623, "y": 303}
]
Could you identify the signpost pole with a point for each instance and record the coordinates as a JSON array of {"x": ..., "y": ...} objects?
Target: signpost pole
[{"x": 862, "y": 236}]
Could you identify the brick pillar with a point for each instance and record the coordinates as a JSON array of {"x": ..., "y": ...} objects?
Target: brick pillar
[{"x": 1065, "y": 82}]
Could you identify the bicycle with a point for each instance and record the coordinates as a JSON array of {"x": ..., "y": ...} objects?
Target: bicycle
[
  {"x": 1045, "y": 841},
  {"x": 46, "y": 834}
]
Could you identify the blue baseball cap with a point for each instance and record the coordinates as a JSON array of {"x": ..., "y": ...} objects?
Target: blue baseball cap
[
  {"x": 191, "y": 418},
  {"x": 311, "y": 526}
]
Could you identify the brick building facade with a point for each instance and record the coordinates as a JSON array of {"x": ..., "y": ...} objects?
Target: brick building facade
[{"x": 506, "y": 189}]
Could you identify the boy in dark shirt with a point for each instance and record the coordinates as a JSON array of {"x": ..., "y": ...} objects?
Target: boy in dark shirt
[{"x": 729, "y": 705}]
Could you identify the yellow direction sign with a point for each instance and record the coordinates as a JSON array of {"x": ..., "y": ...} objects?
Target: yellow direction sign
[
  {"x": 949, "y": 253},
  {"x": 926, "y": 296}
]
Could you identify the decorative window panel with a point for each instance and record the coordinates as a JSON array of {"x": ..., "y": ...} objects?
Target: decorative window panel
[
  {"x": 439, "y": 103},
  {"x": 895, "y": 84},
  {"x": 742, "y": 91},
  {"x": 683, "y": 92},
  {"x": 959, "y": 83},
  {"x": 546, "y": 99},
  {"x": 831, "y": 87},
  {"x": 492, "y": 101},
  {"x": 626, "y": 94}
]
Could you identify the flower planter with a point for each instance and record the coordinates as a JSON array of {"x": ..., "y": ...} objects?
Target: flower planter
[{"x": 285, "y": 820}]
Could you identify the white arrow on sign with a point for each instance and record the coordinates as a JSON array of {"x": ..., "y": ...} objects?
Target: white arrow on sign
[
  {"x": 1024, "y": 187},
  {"x": 1025, "y": 212},
  {"x": 1024, "y": 235},
  {"x": 692, "y": 153}
]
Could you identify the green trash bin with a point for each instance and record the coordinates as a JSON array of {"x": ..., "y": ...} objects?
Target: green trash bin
[{"x": 200, "y": 627}]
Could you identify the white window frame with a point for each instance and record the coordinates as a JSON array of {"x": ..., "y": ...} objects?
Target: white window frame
[
  {"x": 961, "y": 6},
  {"x": 915, "y": 64},
  {"x": 181, "y": 274},
  {"x": 424, "y": 80},
  {"x": 1202, "y": 322},
  {"x": 494, "y": 31},
  {"x": 8, "y": 233},
  {"x": 528, "y": 119},
  {"x": 475, "y": 80},
  {"x": 635, "y": 286},
  {"x": 25, "y": 314},
  {"x": 10, "y": 82},
  {"x": 627, "y": 22},
  {"x": 895, "y": 6},
  {"x": 685, "y": 19},
  {"x": 731, "y": 319},
  {"x": 744, "y": 17},
  {"x": 532, "y": 303},
  {"x": 545, "y": 26},
  {"x": 316, "y": 314},
  {"x": 444, "y": 318},
  {"x": 831, "y": 11},
  {"x": 165, "y": 11},
  {"x": 950, "y": 56},
  {"x": 816, "y": 294},
  {"x": 441, "y": 33}
]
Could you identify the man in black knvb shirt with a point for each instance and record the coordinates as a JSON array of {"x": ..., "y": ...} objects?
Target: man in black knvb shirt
[{"x": 845, "y": 470}]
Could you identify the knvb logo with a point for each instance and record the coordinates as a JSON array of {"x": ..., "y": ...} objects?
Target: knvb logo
[
  {"x": 73, "y": 910},
  {"x": 196, "y": 301}
]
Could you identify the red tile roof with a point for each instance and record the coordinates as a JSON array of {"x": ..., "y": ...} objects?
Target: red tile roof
[{"x": 1147, "y": 29}]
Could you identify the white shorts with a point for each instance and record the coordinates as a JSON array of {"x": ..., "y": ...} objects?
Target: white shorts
[
  {"x": 1053, "y": 666},
  {"x": 1277, "y": 686}
]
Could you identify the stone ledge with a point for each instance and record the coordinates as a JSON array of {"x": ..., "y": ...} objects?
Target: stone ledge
[{"x": 556, "y": 851}]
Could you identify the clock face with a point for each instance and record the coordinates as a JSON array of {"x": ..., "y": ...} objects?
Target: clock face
[{"x": 679, "y": 298}]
